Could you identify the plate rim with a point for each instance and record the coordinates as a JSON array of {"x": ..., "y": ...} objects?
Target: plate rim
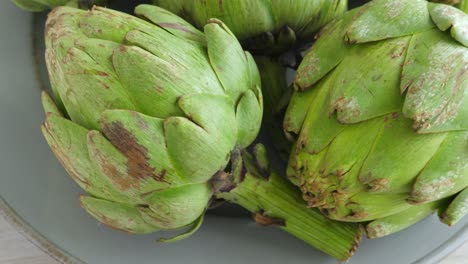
[
  {"x": 62, "y": 256},
  {"x": 26, "y": 230}
]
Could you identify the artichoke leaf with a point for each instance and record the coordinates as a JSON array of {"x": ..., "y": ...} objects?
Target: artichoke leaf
[
  {"x": 320, "y": 125},
  {"x": 69, "y": 144},
  {"x": 446, "y": 173},
  {"x": 397, "y": 222},
  {"x": 224, "y": 50},
  {"x": 119, "y": 216},
  {"x": 249, "y": 112},
  {"x": 435, "y": 77},
  {"x": 383, "y": 19},
  {"x": 364, "y": 82},
  {"x": 170, "y": 22},
  {"x": 397, "y": 156},
  {"x": 447, "y": 17},
  {"x": 179, "y": 206},
  {"x": 194, "y": 228},
  {"x": 142, "y": 140},
  {"x": 49, "y": 105},
  {"x": 88, "y": 89}
]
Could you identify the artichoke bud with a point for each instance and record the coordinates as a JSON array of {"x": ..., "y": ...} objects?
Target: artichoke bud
[
  {"x": 42, "y": 5},
  {"x": 379, "y": 115},
  {"x": 146, "y": 113},
  {"x": 267, "y": 28}
]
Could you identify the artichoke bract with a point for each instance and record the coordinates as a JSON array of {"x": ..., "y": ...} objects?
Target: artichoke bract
[
  {"x": 262, "y": 26},
  {"x": 461, "y": 4},
  {"x": 42, "y": 5},
  {"x": 146, "y": 116},
  {"x": 380, "y": 116}
]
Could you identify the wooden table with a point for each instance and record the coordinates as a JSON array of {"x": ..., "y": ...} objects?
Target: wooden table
[{"x": 15, "y": 249}]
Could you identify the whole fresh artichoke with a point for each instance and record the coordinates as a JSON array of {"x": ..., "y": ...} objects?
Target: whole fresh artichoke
[
  {"x": 265, "y": 27},
  {"x": 381, "y": 115},
  {"x": 151, "y": 118},
  {"x": 41, "y": 5}
]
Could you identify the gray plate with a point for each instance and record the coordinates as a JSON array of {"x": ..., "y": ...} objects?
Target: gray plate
[{"x": 39, "y": 197}]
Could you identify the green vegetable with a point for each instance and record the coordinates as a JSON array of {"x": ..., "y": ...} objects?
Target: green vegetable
[
  {"x": 150, "y": 116},
  {"x": 42, "y": 5},
  {"x": 380, "y": 116},
  {"x": 267, "y": 27}
]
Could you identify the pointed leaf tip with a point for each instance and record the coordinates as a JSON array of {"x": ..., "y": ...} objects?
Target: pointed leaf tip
[
  {"x": 194, "y": 228},
  {"x": 448, "y": 17}
]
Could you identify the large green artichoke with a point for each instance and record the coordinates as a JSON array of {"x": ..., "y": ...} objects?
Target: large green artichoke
[
  {"x": 381, "y": 116},
  {"x": 262, "y": 26},
  {"x": 41, "y": 5},
  {"x": 147, "y": 114}
]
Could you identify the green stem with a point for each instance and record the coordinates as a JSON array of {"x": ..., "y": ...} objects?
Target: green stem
[{"x": 275, "y": 201}]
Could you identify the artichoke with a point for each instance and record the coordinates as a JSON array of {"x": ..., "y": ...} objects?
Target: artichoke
[
  {"x": 267, "y": 27},
  {"x": 41, "y": 5},
  {"x": 380, "y": 116},
  {"x": 151, "y": 117}
]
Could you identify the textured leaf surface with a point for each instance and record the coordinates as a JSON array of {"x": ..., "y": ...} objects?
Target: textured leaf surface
[
  {"x": 382, "y": 19},
  {"x": 435, "y": 78}
]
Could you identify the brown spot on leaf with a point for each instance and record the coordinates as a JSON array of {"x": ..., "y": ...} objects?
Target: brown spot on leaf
[
  {"x": 359, "y": 215},
  {"x": 378, "y": 184},
  {"x": 159, "y": 88},
  {"x": 347, "y": 108},
  {"x": 101, "y": 73},
  {"x": 175, "y": 26},
  {"x": 137, "y": 154},
  {"x": 121, "y": 181},
  {"x": 263, "y": 220},
  {"x": 429, "y": 192},
  {"x": 222, "y": 182}
]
